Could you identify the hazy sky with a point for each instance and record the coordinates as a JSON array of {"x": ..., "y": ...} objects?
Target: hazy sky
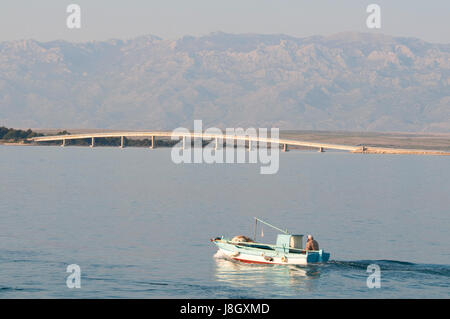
[{"x": 45, "y": 20}]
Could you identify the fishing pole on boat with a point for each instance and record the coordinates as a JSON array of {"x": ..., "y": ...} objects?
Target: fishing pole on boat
[{"x": 270, "y": 225}]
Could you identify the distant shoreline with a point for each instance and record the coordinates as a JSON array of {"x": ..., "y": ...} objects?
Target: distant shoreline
[
  {"x": 386, "y": 142},
  {"x": 369, "y": 150},
  {"x": 373, "y": 142}
]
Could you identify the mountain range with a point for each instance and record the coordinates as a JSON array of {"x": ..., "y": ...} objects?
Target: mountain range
[{"x": 347, "y": 81}]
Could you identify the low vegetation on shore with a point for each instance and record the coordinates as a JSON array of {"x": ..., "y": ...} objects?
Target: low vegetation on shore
[
  {"x": 17, "y": 136},
  {"x": 14, "y": 136}
]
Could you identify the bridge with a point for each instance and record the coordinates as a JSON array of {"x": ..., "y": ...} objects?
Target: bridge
[
  {"x": 284, "y": 143},
  {"x": 169, "y": 134}
]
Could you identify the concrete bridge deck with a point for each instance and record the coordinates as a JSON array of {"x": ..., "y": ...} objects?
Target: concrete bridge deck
[{"x": 284, "y": 142}]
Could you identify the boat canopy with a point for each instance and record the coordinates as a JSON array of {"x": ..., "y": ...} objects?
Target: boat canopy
[{"x": 284, "y": 242}]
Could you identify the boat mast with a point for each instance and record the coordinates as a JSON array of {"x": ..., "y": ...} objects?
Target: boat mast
[{"x": 266, "y": 223}]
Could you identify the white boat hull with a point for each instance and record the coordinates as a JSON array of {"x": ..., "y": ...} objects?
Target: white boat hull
[{"x": 263, "y": 259}]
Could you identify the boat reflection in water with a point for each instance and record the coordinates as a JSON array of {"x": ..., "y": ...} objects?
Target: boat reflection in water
[{"x": 243, "y": 275}]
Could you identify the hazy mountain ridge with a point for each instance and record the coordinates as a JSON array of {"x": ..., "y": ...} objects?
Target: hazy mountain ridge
[{"x": 348, "y": 81}]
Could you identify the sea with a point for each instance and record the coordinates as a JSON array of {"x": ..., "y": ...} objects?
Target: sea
[{"x": 137, "y": 225}]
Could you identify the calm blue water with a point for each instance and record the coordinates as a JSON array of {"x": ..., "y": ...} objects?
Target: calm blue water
[{"x": 139, "y": 225}]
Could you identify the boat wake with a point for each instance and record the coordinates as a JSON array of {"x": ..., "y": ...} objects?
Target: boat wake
[
  {"x": 221, "y": 255},
  {"x": 392, "y": 266}
]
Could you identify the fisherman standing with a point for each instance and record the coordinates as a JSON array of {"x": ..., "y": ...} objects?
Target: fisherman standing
[{"x": 311, "y": 244}]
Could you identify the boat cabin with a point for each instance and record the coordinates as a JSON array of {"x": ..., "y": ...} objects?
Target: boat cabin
[{"x": 287, "y": 241}]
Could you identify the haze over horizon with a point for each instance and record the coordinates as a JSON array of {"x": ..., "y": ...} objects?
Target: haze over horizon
[
  {"x": 218, "y": 32},
  {"x": 114, "y": 19}
]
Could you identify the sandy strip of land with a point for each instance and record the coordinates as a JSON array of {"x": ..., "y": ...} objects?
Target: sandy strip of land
[{"x": 380, "y": 143}]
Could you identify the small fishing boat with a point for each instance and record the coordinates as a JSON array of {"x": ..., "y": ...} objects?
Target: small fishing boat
[{"x": 288, "y": 249}]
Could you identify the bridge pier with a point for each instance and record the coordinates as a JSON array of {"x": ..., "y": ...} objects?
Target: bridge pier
[
  {"x": 285, "y": 148},
  {"x": 121, "y": 142},
  {"x": 63, "y": 143},
  {"x": 321, "y": 150},
  {"x": 249, "y": 145},
  {"x": 184, "y": 142},
  {"x": 153, "y": 143},
  {"x": 216, "y": 147},
  {"x": 92, "y": 142}
]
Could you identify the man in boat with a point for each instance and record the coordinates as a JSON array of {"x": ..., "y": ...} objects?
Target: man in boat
[{"x": 311, "y": 244}]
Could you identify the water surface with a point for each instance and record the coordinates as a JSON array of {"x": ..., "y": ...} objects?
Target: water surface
[{"x": 139, "y": 225}]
